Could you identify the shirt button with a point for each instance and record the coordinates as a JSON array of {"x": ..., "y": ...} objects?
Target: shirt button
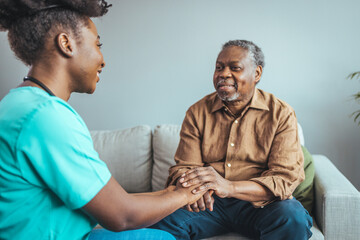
[
  {"x": 262, "y": 207},
  {"x": 229, "y": 164},
  {"x": 236, "y": 121},
  {"x": 231, "y": 144}
]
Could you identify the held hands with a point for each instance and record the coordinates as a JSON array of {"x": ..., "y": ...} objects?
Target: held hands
[
  {"x": 191, "y": 196},
  {"x": 207, "y": 178},
  {"x": 206, "y": 201}
]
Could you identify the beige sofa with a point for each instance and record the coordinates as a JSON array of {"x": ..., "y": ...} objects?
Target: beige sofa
[{"x": 139, "y": 158}]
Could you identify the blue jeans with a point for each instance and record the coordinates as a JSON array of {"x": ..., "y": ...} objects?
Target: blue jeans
[
  {"x": 279, "y": 220},
  {"x": 140, "y": 234}
]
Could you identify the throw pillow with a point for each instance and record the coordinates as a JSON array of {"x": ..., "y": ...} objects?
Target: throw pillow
[{"x": 305, "y": 191}]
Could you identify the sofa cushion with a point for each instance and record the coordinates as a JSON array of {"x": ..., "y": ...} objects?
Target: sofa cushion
[
  {"x": 128, "y": 156},
  {"x": 165, "y": 141}
]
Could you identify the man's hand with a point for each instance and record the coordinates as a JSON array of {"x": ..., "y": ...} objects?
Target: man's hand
[
  {"x": 191, "y": 195},
  {"x": 207, "y": 178},
  {"x": 205, "y": 202}
]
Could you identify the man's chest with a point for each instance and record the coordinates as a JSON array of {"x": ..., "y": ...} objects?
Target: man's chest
[{"x": 247, "y": 139}]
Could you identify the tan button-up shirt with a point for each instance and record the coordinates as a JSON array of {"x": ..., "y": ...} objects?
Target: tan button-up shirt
[{"x": 260, "y": 145}]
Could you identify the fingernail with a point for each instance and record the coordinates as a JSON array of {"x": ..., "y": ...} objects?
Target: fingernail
[
  {"x": 183, "y": 175},
  {"x": 193, "y": 191},
  {"x": 181, "y": 179},
  {"x": 185, "y": 184}
]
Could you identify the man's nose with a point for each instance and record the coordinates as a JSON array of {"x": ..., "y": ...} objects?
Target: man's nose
[{"x": 225, "y": 73}]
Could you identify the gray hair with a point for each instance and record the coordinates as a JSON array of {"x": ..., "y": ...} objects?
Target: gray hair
[{"x": 254, "y": 51}]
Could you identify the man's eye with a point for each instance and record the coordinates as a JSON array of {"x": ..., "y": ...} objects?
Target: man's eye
[
  {"x": 99, "y": 45},
  {"x": 235, "y": 68},
  {"x": 218, "y": 68}
]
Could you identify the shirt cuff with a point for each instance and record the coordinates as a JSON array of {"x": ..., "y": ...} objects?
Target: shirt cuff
[{"x": 271, "y": 186}]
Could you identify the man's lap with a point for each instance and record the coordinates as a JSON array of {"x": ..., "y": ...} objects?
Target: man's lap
[
  {"x": 195, "y": 225},
  {"x": 236, "y": 216}
]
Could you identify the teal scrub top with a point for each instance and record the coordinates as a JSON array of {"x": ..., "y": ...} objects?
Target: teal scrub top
[{"x": 48, "y": 168}]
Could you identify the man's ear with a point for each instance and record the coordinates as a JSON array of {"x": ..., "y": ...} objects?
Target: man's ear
[
  {"x": 64, "y": 44},
  {"x": 258, "y": 72}
]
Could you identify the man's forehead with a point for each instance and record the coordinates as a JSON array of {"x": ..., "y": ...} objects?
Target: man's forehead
[{"x": 234, "y": 53}]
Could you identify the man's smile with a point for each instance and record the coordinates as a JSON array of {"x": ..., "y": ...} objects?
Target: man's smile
[{"x": 222, "y": 85}]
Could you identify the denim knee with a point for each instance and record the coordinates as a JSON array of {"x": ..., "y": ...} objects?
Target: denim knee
[
  {"x": 291, "y": 219},
  {"x": 174, "y": 224},
  {"x": 186, "y": 225}
]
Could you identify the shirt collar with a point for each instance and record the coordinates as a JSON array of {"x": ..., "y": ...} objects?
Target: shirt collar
[{"x": 257, "y": 102}]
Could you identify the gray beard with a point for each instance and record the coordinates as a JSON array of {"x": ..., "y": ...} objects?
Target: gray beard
[
  {"x": 234, "y": 97},
  {"x": 227, "y": 98}
]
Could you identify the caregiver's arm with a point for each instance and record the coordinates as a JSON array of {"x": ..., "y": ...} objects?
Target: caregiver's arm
[{"x": 116, "y": 210}]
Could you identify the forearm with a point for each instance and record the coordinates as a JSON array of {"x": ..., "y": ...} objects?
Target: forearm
[
  {"x": 157, "y": 193},
  {"x": 116, "y": 210},
  {"x": 147, "y": 209},
  {"x": 250, "y": 191}
]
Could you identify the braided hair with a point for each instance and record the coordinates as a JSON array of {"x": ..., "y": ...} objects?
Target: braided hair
[{"x": 30, "y": 22}]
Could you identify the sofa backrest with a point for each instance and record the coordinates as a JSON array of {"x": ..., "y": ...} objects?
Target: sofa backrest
[
  {"x": 139, "y": 159},
  {"x": 128, "y": 155}
]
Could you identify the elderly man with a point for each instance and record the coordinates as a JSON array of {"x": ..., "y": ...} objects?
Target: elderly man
[{"x": 241, "y": 144}]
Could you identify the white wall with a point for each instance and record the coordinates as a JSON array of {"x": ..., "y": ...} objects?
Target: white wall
[{"x": 160, "y": 58}]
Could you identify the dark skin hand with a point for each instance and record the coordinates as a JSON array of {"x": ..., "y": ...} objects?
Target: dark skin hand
[
  {"x": 205, "y": 202},
  {"x": 208, "y": 178}
]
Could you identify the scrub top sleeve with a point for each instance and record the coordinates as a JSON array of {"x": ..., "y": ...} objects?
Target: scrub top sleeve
[{"x": 58, "y": 154}]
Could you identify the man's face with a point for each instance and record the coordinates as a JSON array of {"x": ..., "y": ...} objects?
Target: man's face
[{"x": 235, "y": 74}]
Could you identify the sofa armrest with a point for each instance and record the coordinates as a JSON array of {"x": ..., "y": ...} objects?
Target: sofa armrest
[{"x": 337, "y": 202}]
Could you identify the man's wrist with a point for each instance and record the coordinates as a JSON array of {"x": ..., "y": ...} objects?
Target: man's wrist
[{"x": 231, "y": 189}]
